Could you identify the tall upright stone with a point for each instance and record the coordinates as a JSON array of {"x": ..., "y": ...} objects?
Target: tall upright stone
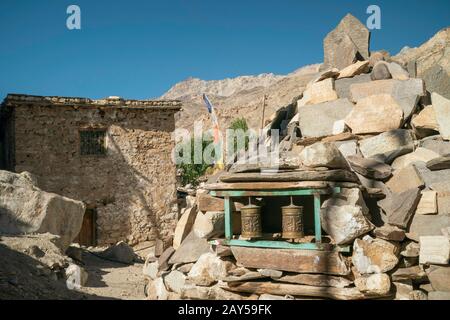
[
  {"x": 346, "y": 44},
  {"x": 442, "y": 110}
]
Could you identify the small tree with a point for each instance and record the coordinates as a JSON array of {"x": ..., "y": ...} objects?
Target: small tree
[
  {"x": 191, "y": 172},
  {"x": 240, "y": 124}
]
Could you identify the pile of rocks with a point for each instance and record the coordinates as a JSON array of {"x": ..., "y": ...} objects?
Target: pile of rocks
[{"x": 369, "y": 126}]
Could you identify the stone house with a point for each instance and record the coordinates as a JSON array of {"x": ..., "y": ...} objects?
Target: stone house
[{"x": 113, "y": 154}]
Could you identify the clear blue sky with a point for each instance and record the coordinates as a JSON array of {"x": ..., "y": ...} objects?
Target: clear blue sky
[{"x": 139, "y": 49}]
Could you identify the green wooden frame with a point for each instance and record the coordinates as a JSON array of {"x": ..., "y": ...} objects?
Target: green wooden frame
[{"x": 316, "y": 193}]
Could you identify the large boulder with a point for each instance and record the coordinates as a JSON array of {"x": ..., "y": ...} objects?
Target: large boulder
[
  {"x": 328, "y": 112},
  {"x": 209, "y": 224},
  {"x": 346, "y": 44},
  {"x": 419, "y": 156},
  {"x": 342, "y": 86},
  {"x": 436, "y": 144},
  {"x": 370, "y": 168},
  {"x": 425, "y": 123},
  {"x": 378, "y": 284},
  {"x": 318, "y": 92},
  {"x": 24, "y": 208},
  {"x": 441, "y": 107},
  {"x": 374, "y": 255},
  {"x": 323, "y": 154},
  {"x": 209, "y": 269},
  {"x": 355, "y": 69},
  {"x": 344, "y": 223},
  {"x": 406, "y": 93},
  {"x": 386, "y": 146},
  {"x": 375, "y": 114}
]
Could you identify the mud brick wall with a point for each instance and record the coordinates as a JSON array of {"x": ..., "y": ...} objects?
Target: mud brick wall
[{"x": 132, "y": 187}]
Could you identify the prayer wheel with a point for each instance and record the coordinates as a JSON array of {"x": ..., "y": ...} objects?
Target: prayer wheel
[
  {"x": 292, "y": 221},
  {"x": 251, "y": 221}
]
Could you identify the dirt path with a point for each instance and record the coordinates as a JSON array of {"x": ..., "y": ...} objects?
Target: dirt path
[{"x": 111, "y": 280}]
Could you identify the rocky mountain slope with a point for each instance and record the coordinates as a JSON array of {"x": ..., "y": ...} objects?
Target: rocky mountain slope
[
  {"x": 239, "y": 97},
  {"x": 243, "y": 96}
]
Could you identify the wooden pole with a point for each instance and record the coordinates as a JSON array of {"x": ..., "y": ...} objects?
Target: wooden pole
[{"x": 263, "y": 111}]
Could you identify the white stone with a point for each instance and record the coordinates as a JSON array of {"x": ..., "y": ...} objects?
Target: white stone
[
  {"x": 375, "y": 284},
  {"x": 427, "y": 203},
  {"x": 210, "y": 224},
  {"x": 76, "y": 277},
  {"x": 434, "y": 250},
  {"x": 323, "y": 154},
  {"x": 151, "y": 269},
  {"x": 347, "y": 148},
  {"x": 175, "y": 281},
  {"x": 374, "y": 255},
  {"x": 208, "y": 269},
  {"x": 344, "y": 223},
  {"x": 339, "y": 127}
]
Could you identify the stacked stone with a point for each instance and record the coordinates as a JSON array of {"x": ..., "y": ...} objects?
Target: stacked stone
[{"x": 364, "y": 124}]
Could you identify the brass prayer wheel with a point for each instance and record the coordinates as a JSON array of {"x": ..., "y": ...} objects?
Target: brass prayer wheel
[
  {"x": 292, "y": 221},
  {"x": 251, "y": 221}
]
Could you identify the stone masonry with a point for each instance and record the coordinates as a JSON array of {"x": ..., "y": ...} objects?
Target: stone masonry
[{"x": 131, "y": 185}]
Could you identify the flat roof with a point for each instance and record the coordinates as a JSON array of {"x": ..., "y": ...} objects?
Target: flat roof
[{"x": 12, "y": 100}]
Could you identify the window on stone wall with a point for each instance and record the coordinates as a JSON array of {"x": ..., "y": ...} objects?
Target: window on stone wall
[{"x": 92, "y": 142}]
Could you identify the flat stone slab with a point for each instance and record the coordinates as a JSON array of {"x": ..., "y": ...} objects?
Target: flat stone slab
[
  {"x": 375, "y": 114},
  {"x": 440, "y": 163},
  {"x": 400, "y": 207},
  {"x": 370, "y": 168},
  {"x": 405, "y": 179},
  {"x": 441, "y": 107},
  {"x": 318, "y": 280},
  {"x": 342, "y": 86},
  {"x": 328, "y": 113},
  {"x": 300, "y": 261},
  {"x": 427, "y": 225},
  {"x": 406, "y": 93},
  {"x": 388, "y": 143},
  {"x": 434, "y": 250}
]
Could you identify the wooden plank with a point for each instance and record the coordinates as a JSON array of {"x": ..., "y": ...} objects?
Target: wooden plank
[
  {"x": 279, "y": 245},
  {"x": 282, "y": 289},
  {"x": 317, "y": 280},
  {"x": 279, "y": 185},
  {"x": 300, "y": 261},
  {"x": 206, "y": 202},
  {"x": 273, "y": 193},
  {"x": 328, "y": 175}
]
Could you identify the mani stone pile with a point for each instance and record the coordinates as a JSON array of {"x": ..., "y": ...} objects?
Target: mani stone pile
[{"x": 365, "y": 124}]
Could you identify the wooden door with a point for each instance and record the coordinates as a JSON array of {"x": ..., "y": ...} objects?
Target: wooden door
[{"x": 87, "y": 236}]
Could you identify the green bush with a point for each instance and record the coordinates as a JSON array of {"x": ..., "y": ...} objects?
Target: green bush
[
  {"x": 237, "y": 124},
  {"x": 191, "y": 172}
]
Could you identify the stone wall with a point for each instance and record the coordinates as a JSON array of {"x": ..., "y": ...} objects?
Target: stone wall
[{"x": 132, "y": 187}]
